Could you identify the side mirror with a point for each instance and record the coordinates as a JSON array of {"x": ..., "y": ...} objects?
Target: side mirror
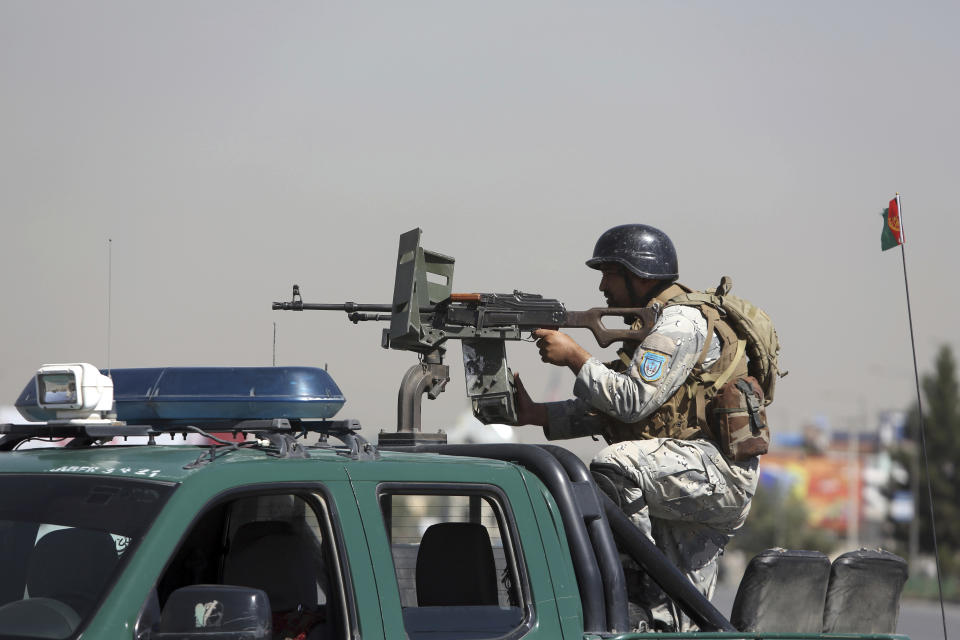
[{"x": 212, "y": 610}]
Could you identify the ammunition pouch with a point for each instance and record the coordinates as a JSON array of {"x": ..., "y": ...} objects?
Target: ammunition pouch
[{"x": 738, "y": 419}]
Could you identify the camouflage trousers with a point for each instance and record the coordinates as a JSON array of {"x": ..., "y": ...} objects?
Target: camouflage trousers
[{"x": 689, "y": 500}]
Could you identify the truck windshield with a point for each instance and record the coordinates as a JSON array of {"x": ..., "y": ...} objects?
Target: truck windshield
[{"x": 64, "y": 540}]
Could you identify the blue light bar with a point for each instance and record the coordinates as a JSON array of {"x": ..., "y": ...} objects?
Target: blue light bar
[{"x": 184, "y": 395}]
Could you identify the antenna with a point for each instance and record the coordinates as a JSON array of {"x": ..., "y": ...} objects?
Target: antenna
[
  {"x": 109, "y": 296},
  {"x": 274, "y": 344}
]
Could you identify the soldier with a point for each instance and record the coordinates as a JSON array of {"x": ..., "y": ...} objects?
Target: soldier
[{"x": 661, "y": 461}]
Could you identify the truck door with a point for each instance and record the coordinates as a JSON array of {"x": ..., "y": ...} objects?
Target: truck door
[
  {"x": 290, "y": 540},
  {"x": 458, "y": 560}
]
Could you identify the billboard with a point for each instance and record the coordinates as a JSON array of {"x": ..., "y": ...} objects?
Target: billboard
[{"x": 826, "y": 484}]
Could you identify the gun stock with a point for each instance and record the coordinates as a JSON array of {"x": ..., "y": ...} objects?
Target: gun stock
[{"x": 592, "y": 319}]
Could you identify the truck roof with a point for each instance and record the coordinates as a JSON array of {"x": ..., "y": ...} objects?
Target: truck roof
[{"x": 182, "y": 463}]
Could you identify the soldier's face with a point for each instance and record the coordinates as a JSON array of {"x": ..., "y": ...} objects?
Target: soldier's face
[{"x": 613, "y": 284}]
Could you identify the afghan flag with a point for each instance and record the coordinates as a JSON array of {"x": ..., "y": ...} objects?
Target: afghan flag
[{"x": 891, "y": 236}]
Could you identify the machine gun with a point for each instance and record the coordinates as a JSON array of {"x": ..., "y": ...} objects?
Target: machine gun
[{"x": 425, "y": 314}]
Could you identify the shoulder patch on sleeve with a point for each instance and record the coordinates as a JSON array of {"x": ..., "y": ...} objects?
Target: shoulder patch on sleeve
[
  {"x": 652, "y": 365},
  {"x": 658, "y": 341}
]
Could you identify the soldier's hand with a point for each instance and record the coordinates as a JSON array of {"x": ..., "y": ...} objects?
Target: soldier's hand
[
  {"x": 560, "y": 349},
  {"x": 528, "y": 411}
]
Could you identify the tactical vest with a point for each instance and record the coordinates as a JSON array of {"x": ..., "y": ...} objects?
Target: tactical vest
[{"x": 683, "y": 415}]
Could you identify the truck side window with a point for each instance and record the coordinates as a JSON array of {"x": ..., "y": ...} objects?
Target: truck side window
[
  {"x": 457, "y": 563},
  {"x": 281, "y": 543}
]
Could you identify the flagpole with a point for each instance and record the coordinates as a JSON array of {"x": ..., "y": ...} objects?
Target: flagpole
[
  {"x": 109, "y": 296},
  {"x": 923, "y": 437}
]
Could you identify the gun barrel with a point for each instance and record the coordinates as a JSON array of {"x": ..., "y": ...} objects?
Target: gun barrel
[{"x": 349, "y": 307}]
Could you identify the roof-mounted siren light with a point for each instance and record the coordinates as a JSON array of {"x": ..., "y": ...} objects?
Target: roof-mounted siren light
[{"x": 78, "y": 392}]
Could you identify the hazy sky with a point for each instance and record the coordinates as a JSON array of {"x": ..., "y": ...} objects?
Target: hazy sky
[{"x": 231, "y": 149}]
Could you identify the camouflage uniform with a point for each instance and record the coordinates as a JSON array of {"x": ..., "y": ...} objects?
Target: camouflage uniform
[{"x": 680, "y": 491}]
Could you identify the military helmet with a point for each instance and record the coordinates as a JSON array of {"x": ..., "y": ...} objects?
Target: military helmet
[{"x": 646, "y": 251}]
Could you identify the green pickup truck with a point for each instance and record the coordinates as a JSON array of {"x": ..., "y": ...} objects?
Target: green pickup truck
[{"x": 112, "y": 526}]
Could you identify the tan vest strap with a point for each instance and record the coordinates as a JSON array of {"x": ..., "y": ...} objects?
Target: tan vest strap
[
  {"x": 721, "y": 379},
  {"x": 727, "y": 335},
  {"x": 712, "y": 317},
  {"x": 674, "y": 290},
  {"x": 625, "y": 359},
  {"x": 700, "y": 404}
]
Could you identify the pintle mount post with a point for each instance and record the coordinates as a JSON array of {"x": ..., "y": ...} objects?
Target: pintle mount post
[{"x": 424, "y": 279}]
